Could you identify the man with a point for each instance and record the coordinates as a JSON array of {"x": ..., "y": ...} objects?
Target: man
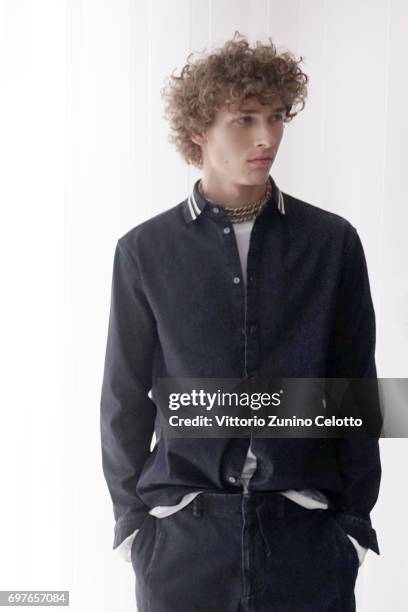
[{"x": 240, "y": 280}]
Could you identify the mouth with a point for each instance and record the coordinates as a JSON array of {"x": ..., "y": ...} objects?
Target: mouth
[{"x": 260, "y": 161}]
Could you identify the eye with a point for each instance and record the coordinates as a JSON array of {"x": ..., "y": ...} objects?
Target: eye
[
  {"x": 243, "y": 120},
  {"x": 278, "y": 117}
]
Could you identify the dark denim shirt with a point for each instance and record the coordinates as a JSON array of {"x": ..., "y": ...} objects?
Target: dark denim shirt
[{"x": 180, "y": 309}]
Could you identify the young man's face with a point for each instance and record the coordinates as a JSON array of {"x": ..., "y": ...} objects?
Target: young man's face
[{"x": 238, "y": 136}]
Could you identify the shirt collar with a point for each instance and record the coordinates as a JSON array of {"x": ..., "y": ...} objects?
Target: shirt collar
[{"x": 194, "y": 205}]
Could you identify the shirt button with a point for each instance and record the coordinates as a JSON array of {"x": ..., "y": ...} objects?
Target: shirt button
[
  {"x": 216, "y": 210},
  {"x": 237, "y": 280},
  {"x": 227, "y": 230},
  {"x": 232, "y": 479}
]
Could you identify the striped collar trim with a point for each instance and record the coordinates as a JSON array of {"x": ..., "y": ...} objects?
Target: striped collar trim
[{"x": 195, "y": 203}]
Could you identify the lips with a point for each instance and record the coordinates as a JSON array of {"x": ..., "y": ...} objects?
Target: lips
[
  {"x": 260, "y": 162},
  {"x": 261, "y": 159}
]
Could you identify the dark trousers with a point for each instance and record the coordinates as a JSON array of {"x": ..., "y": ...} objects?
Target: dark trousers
[{"x": 256, "y": 552}]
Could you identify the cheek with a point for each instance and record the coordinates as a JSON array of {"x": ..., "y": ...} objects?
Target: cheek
[
  {"x": 227, "y": 149},
  {"x": 280, "y": 135},
  {"x": 234, "y": 146}
]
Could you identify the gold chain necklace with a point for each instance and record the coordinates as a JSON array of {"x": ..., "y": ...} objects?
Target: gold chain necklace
[{"x": 242, "y": 213}]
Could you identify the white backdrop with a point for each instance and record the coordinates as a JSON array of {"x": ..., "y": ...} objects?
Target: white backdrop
[{"x": 84, "y": 157}]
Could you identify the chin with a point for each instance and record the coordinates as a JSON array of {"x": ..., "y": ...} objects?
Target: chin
[{"x": 258, "y": 178}]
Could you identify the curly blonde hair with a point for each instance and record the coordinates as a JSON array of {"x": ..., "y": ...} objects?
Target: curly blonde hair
[{"x": 227, "y": 77}]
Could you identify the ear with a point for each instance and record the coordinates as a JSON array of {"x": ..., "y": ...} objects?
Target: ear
[{"x": 198, "y": 138}]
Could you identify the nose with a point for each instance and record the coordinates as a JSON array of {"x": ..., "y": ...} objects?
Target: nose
[{"x": 268, "y": 136}]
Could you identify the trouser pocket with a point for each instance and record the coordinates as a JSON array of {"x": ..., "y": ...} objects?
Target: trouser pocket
[
  {"x": 194, "y": 565},
  {"x": 145, "y": 547},
  {"x": 346, "y": 546}
]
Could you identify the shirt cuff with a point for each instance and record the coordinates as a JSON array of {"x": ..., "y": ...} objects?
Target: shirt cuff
[{"x": 359, "y": 528}]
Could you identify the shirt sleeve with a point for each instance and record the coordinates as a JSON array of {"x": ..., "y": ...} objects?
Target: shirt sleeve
[
  {"x": 127, "y": 414},
  {"x": 352, "y": 356}
]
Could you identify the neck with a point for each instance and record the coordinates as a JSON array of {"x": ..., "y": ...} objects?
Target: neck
[{"x": 230, "y": 194}]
